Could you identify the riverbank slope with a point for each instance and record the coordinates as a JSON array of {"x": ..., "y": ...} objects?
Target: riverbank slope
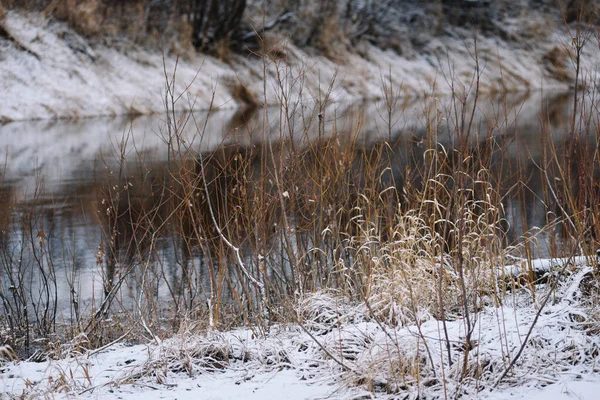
[{"x": 49, "y": 70}]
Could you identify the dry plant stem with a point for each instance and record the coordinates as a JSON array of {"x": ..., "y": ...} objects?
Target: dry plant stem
[
  {"x": 289, "y": 246},
  {"x": 106, "y": 346},
  {"x": 578, "y": 41},
  {"x": 551, "y": 189},
  {"x": 418, "y": 323},
  {"x": 115, "y": 287},
  {"x": 259, "y": 285},
  {"x": 395, "y": 340},
  {"x": 441, "y": 303},
  {"x": 139, "y": 300},
  {"x": 462, "y": 228},
  {"x": 391, "y": 100},
  {"x": 559, "y": 273},
  {"x": 327, "y": 352}
]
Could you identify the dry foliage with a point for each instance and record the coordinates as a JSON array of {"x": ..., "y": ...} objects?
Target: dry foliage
[
  {"x": 83, "y": 16},
  {"x": 558, "y": 63}
]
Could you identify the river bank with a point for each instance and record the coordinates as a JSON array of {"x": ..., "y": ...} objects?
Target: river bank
[
  {"x": 49, "y": 71},
  {"x": 339, "y": 351}
]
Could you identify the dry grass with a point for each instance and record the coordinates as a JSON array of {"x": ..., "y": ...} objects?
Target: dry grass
[
  {"x": 415, "y": 230},
  {"x": 83, "y": 16},
  {"x": 407, "y": 229},
  {"x": 558, "y": 63}
]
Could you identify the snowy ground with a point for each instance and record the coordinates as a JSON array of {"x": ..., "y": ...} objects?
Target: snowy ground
[
  {"x": 339, "y": 352},
  {"x": 233, "y": 383},
  {"x": 48, "y": 71}
]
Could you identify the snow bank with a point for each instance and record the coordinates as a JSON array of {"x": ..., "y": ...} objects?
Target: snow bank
[
  {"x": 49, "y": 71},
  {"x": 340, "y": 352}
]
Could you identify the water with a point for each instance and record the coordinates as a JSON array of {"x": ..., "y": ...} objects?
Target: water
[{"x": 58, "y": 176}]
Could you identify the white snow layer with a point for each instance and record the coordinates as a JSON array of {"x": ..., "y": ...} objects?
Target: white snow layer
[
  {"x": 340, "y": 352},
  {"x": 60, "y": 75}
]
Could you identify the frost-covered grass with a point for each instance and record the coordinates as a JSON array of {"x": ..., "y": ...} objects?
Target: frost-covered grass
[
  {"x": 358, "y": 267},
  {"x": 338, "y": 349}
]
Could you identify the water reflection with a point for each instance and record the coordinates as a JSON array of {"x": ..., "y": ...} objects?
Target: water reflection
[{"x": 86, "y": 204}]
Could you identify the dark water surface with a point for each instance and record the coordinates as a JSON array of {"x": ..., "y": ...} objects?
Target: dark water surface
[{"x": 56, "y": 173}]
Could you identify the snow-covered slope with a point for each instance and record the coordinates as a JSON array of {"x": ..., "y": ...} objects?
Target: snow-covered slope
[{"x": 48, "y": 71}]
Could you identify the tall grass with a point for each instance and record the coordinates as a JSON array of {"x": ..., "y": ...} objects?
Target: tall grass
[
  {"x": 419, "y": 224},
  {"x": 415, "y": 227}
]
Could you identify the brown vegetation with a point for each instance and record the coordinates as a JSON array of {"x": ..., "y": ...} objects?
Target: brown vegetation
[
  {"x": 331, "y": 27},
  {"x": 409, "y": 226},
  {"x": 558, "y": 63}
]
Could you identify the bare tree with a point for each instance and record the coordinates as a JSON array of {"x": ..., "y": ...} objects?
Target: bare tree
[{"x": 214, "y": 20}]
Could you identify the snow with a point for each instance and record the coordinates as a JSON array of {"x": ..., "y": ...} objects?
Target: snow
[
  {"x": 107, "y": 374},
  {"x": 67, "y": 81},
  {"x": 581, "y": 388},
  {"x": 63, "y": 76},
  {"x": 340, "y": 352},
  {"x": 230, "y": 384},
  {"x": 543, "y": 265}
]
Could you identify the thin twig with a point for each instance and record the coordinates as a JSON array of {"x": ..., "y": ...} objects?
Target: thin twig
[{"x": 539, "y": 312}]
